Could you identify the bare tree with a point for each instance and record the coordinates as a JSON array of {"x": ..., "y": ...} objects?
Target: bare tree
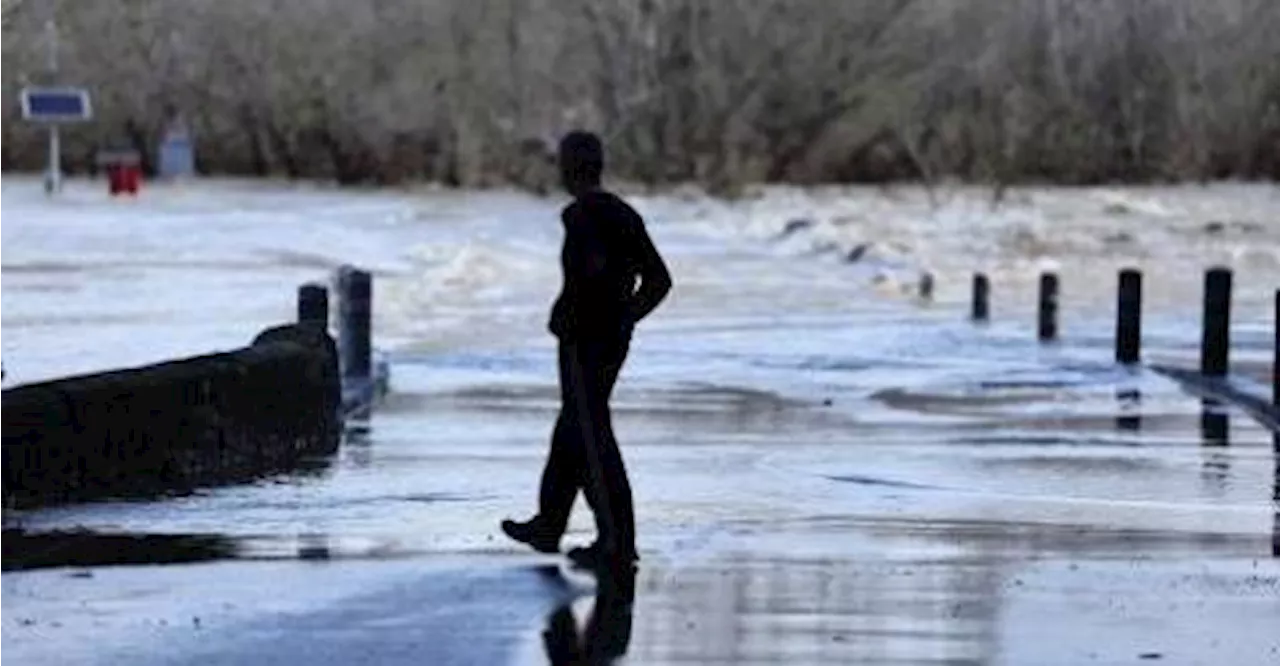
[{"x": 722, "y": 92}]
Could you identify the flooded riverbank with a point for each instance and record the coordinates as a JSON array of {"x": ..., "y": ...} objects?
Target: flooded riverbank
[{"x": 826, "y": 470}]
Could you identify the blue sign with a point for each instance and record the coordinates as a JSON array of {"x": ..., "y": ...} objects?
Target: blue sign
[
  {"x": 177, "y": 156},
  {"x": 56, "y": 105}
]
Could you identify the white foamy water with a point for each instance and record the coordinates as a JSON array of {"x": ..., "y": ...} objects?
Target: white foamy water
[
  {"x": 92, "y": 282},
  {"x": 815, "y": 453},
  {"x": 1085, "y": 234}
]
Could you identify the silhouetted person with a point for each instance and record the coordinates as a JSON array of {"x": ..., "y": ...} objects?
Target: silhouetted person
[
  {"x": 606, "y": 251},
  {"x": 607, "y": 633}
]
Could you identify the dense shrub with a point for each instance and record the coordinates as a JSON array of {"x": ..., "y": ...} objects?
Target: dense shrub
[{"x": 722, "y": 92}]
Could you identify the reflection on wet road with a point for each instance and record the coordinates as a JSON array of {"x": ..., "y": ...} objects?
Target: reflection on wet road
[{"x": 823, "y": 473}]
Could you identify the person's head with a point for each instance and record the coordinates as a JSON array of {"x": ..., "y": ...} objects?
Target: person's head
[{"x": 581, "y": 159}]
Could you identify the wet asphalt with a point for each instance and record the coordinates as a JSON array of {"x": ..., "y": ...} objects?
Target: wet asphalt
[{"x": 822, "y": 475}]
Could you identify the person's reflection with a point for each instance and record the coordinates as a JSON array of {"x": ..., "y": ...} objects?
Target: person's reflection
[
  {"x": 1130, "y": 410},
  {"x": 607, "y": 632}
]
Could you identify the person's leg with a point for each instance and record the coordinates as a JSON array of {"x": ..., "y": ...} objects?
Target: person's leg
[
  {"x": 597, "y": 379},
  {"x": 599, "y": 365},
  {"x": 616, "y": 482},
  {"x": 620, "y": 502},
  {"x": 562, "y": 476}
]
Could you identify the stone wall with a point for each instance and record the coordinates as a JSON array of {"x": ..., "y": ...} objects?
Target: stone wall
[{"x": 174, "y": 426}]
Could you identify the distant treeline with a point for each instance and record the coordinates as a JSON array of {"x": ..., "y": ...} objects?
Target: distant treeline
[{"x": 721, "y": 92}]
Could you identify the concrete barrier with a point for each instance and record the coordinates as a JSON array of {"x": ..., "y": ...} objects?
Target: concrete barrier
[{"x": 174, "y": 426}]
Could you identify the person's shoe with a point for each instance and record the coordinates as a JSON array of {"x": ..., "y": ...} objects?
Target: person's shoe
[
  {"x": 597, "y": 558},
  {"x": 534, "y": 534}
]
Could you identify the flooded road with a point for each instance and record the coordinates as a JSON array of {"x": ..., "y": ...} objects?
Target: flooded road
[{"x": 826, "y": 469}]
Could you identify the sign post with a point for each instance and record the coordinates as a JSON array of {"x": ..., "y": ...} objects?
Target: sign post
[
  {"x": 53, "y": 174},
  {"x": 53, "y": 170},
  {"x": 53, "y": 105}
]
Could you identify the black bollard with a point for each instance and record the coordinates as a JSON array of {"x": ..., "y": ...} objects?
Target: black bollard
[
  {"x": 1048, "y": 329},
  {"x": 313, "y": 304},
  {"x": 1129, "y": 317},
  {"x": 1275, "y": 484},
  {"x": 925, "y": 288},
  {"x": 355, "y": 312},
  {"x": 981, "y": 298},
  {"x": 1275, "y": 534},
  {"x": 1275, "y": 372},
  {"x": 1215, "y": 343}
]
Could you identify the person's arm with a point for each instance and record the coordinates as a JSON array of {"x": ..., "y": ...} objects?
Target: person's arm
[
  {"x": 655, "y": 279},
  {"x": 558, "y": 323},
  {"x": 583, "y": 260}
]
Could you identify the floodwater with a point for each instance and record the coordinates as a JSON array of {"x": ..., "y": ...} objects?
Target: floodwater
[{"x": 827, "y": 468}]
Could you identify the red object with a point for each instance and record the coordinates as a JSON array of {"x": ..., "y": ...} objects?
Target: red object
[
  {"x": 124, "y": 171},
  {"x": 130, "y": 178}
]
